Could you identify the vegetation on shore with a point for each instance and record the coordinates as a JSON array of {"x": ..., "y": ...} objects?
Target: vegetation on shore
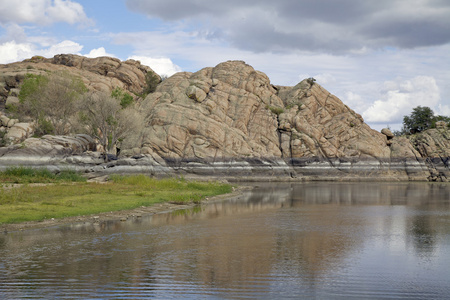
[
  {"x": 67, "y": 198},
  {"x": 25, "y": 175}
]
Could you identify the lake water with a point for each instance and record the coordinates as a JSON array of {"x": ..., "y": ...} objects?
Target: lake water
[{"x": 307, "y": 240}]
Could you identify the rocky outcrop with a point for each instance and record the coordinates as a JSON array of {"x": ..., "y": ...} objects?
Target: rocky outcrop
[
  {"x": 434, "y": 146},
  {"x": 230, "y": 121},
  {"x": 317, "y": 124},
  {"x": 48, "y": 151},
  {"x": 101, "y": 74}
]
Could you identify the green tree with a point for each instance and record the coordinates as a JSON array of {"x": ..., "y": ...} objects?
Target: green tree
[
  {"x": 419, "y": 120},
  {"x": 51, "y": 101}
]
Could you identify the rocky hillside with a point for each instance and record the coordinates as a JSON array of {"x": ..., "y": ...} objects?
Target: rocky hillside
[
  {"x": 101, "y": 74},
  {"x": 227, "y": 118}
]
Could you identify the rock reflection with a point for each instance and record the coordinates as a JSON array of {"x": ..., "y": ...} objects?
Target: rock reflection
[{"x": 305, "y": 232}]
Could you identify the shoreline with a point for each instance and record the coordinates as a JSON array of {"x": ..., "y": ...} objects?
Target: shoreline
[{"x": 121, "y": 215}]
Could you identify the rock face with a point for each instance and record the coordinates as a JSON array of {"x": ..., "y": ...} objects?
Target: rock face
[
  {"x": 217, "y": 112},
  {"x": 318, "y": 124},
  {"x": 232, "y": 110}
]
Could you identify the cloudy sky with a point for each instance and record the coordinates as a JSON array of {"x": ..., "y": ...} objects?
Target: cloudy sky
[{"x": 382, "y": 58}]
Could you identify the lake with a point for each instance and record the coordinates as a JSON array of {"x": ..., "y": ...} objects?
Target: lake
[{"x": 321, "y": 240}]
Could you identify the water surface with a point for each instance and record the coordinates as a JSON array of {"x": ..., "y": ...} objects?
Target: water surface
[{"x": 314, "y": 240}]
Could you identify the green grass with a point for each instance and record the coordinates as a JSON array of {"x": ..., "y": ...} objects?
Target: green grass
[
  {"x": 63, "y": 199},
  {"x": 30, "y": 175}
]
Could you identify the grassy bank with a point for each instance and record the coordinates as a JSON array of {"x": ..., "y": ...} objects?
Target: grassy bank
[
  {"x": 65, "y": 198},
  {"x": 30, "y": 175}
]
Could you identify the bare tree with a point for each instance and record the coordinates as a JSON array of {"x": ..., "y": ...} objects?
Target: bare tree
[{"x": 105, "y": 119}]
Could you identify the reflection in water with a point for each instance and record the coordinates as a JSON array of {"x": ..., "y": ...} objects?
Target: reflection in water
[{"x": 360, "y": 240}]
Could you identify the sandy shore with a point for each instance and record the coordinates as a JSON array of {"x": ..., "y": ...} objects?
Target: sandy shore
[{"x": 122, "y": 215}]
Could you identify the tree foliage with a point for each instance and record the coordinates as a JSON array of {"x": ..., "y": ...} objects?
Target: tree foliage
[
  {"x": 125, "y": 98},
  {"x": 103, "y": 117},
  {"x": 152, "y": 80},
  {"x": 51, "y": 100},
  {"x": 420, "y": 119}
]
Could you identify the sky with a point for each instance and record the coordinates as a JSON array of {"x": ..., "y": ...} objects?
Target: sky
[{"x": 382, "y": 58}]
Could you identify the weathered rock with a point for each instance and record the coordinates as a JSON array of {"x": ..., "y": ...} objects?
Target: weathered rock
[
  {"x": 12, "y": 122},
  {"x": 130, "y": 73},
  {"x": 19, "y": 132},
  {"x": 4, "y": 120},
  {"x": 432, "y": 142},
  {"x": 214, "y": 113},
  {"x": 441, "y": 125},
  {"x": 11, "y": 100},
  {"x": 232, "y": 110},
  {"x": 388, "y": 133},
  {"x": 100, "y": 74},
  {"x": 320, "y": 125},
  {"x": 46, "y": 149}
]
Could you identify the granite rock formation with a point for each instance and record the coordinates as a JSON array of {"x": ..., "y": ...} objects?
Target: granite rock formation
[
  {"x": 230, "y": 121},
  {"x": 232, "y": 110}
]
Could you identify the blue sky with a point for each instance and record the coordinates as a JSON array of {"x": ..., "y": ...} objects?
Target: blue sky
[{"x": 382, "y": 58}]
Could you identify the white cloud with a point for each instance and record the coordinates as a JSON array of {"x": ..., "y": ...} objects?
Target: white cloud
[
  {"x": 62, "y": 47},
  {"x": 12, "y": 51},
  {"x": 354, "y": 101},
  {"x": 325, "y": 78},
  {"x": 162, "y": 66},
  {"x": 399, "y": 97},
  {"x": 98, "y": 53},
  {"x": 42, "y": 12},
  {"x": 443, "y": 110}
]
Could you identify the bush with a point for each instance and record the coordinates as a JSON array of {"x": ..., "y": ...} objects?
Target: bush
[
  {"x": 125, "y": 98},
  {"x": 30, "y": 175},
  {"x": 152, "y": 80},
  {"x": 311, "y": 80},
  {"x": 51, "y": 100},
  {"x": 275, "y": 110}
]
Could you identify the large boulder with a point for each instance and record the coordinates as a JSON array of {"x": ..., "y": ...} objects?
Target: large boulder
[
  {"x": 47, "y": 146},
  {"x": 19, "y": 132}
]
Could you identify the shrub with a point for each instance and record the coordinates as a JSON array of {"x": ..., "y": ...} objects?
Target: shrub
[
  {"x": 51, "y": 100},
  {"x": 275, "y": 110},
  {"x": 125, "y": 98},
  {"x": 152, "y": 80},
  {"x": 311, "y": 80}
]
